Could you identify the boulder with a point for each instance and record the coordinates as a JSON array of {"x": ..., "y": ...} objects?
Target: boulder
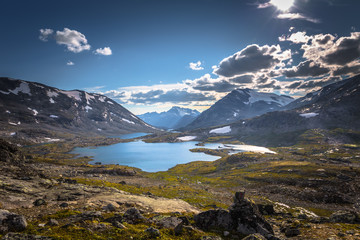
[
  {"x": 110, "y": 207},
  {"x": 243, "y": 217},
  {"x": 218, "y": 218},
  {"x": 292, "y": 232},
  {"x": 153, "y": 232},
  {"x": 52, "y": 222},
  {"x": 132, "y": 216},
  {"x": 39, "y": 202},
  {"x": 11, "y": 222}
]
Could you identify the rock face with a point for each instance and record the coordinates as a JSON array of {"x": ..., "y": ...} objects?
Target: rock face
[
  {"x": 26, "y": 106},
  {"x": 243, "y": 217},
  {"x": 11, "y": 222}
]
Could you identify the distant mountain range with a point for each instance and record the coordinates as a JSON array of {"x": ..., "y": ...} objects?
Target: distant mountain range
[
  {"x": 335, "y": 106},
  {"x": 175, "y": 118},
  {"x": 30, "y": 105},
  {"x": 239, "y": 104}
]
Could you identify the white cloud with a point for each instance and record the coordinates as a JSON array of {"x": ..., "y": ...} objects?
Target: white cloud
[
  {"x": 74, "y": 41},
  {"x": 299, "y": 37},
  {"x": 45, "y": 33},
  {"x": 70, "y": 63},
  {"x": 103, "y": 51},
  {"x": 298, "y": 16},
  {"x": 196, "y": 65}
]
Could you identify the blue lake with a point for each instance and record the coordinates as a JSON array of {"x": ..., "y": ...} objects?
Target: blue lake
[{"x": 150, "y": 157}]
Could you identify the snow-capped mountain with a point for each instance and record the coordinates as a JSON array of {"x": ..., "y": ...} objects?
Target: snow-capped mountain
[
  {"x": 239, "y": 104},
  {"x": 176, "y": 117},
  {"x": 30, "y": 105},
  {"x": 334, "y": 107}
]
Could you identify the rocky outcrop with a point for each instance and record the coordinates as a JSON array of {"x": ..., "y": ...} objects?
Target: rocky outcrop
[
  {"x": 243, "y": 218},
  {"x": 11, "y": 222}
]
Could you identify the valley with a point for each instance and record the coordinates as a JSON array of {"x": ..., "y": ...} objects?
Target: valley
[{"x": 301, "y": 179}]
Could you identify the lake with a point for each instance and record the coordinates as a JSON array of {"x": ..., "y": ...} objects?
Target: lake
[{"x": 150, "y": 157}]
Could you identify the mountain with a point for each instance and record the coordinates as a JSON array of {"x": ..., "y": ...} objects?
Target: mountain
[
  {"x": 314, "y": 96},
  {"x": 30, "y": 105},
  {"x": 239, "y": 104},
  {"x": 335, "y": 106},
  {"x": 176, "y": 117}
]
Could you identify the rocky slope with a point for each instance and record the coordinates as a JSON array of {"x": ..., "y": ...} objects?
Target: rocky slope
[
  {"x": 334, "y": 106},
  {"x": 176, "y": 117},
  {"x": 239, "y": 104},
  {"x": 30, "y": 105},
  {"x": 43, "y": 200}
]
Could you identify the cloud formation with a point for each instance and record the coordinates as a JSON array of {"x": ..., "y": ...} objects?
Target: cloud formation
[
  {"x": 297, "y": 16},
  {"x": 196, "y": 66},
  {"x": 306, "y": 69},
  {"x": 73, "y": 40},
  {"x": 252, "y": 59},
  {"x": 45, "y": 34},
  {"x": 70, "y": 63},
  {"x": 106, "y": 51}
]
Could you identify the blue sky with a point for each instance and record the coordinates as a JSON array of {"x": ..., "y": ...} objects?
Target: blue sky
[{"x": 152, "y": 54}]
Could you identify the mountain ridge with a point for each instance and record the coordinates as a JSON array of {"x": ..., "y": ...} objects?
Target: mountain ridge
[
  {"x": 26, "y": 104},
  {"x": 174, "y": 118},
  {"x": 239, "y": 104}
]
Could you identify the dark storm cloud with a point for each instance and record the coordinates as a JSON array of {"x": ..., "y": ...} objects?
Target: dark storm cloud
[
  {"x": 218, "y": 86},
  {"x": 251, "y": 59},
  {"x": 347, "y": 49},
  {"x": 149, "y": 94},
  {"x": 173, "y": 96},
  {"x": 306, "y": 69},
  {"x": 242, "y": 79},
  {"x": 347, "y": 70}
]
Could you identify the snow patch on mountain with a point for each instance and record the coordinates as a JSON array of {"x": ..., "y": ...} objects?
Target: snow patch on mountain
[
  {"x": 248, "y": 148},
  {"x": 255, "y": 96},
  {"x": 34, "y": 111},
  {"x": 186, "y": 138},
  {"x": 72, "y": 94},
  {"x": 88, "y": 98},
  {"x": 53, "y": 116},
  {"x": 308, "y": 115},
  {"x": 87, "y": 108},
  {"x": 51, "y": 94},
  {"x": 128, "y": 121},
  {"x": 24, "y": 88},
  {"x": 51, "y": 100},
  {"x": 221, "y": 130}
]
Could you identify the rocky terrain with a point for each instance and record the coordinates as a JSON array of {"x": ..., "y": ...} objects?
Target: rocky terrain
[
  {"x": 303, "y": 192},
  {"x": 32, "y": 109}
]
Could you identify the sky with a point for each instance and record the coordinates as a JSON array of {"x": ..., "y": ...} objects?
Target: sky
[{"x": 150, "y": 55}]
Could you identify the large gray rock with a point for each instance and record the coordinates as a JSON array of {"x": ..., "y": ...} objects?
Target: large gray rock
[
  {"x": 242, "y": 217},
  {"x": 11, "y": 222},
  {"x": 132, "y": 216}
]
